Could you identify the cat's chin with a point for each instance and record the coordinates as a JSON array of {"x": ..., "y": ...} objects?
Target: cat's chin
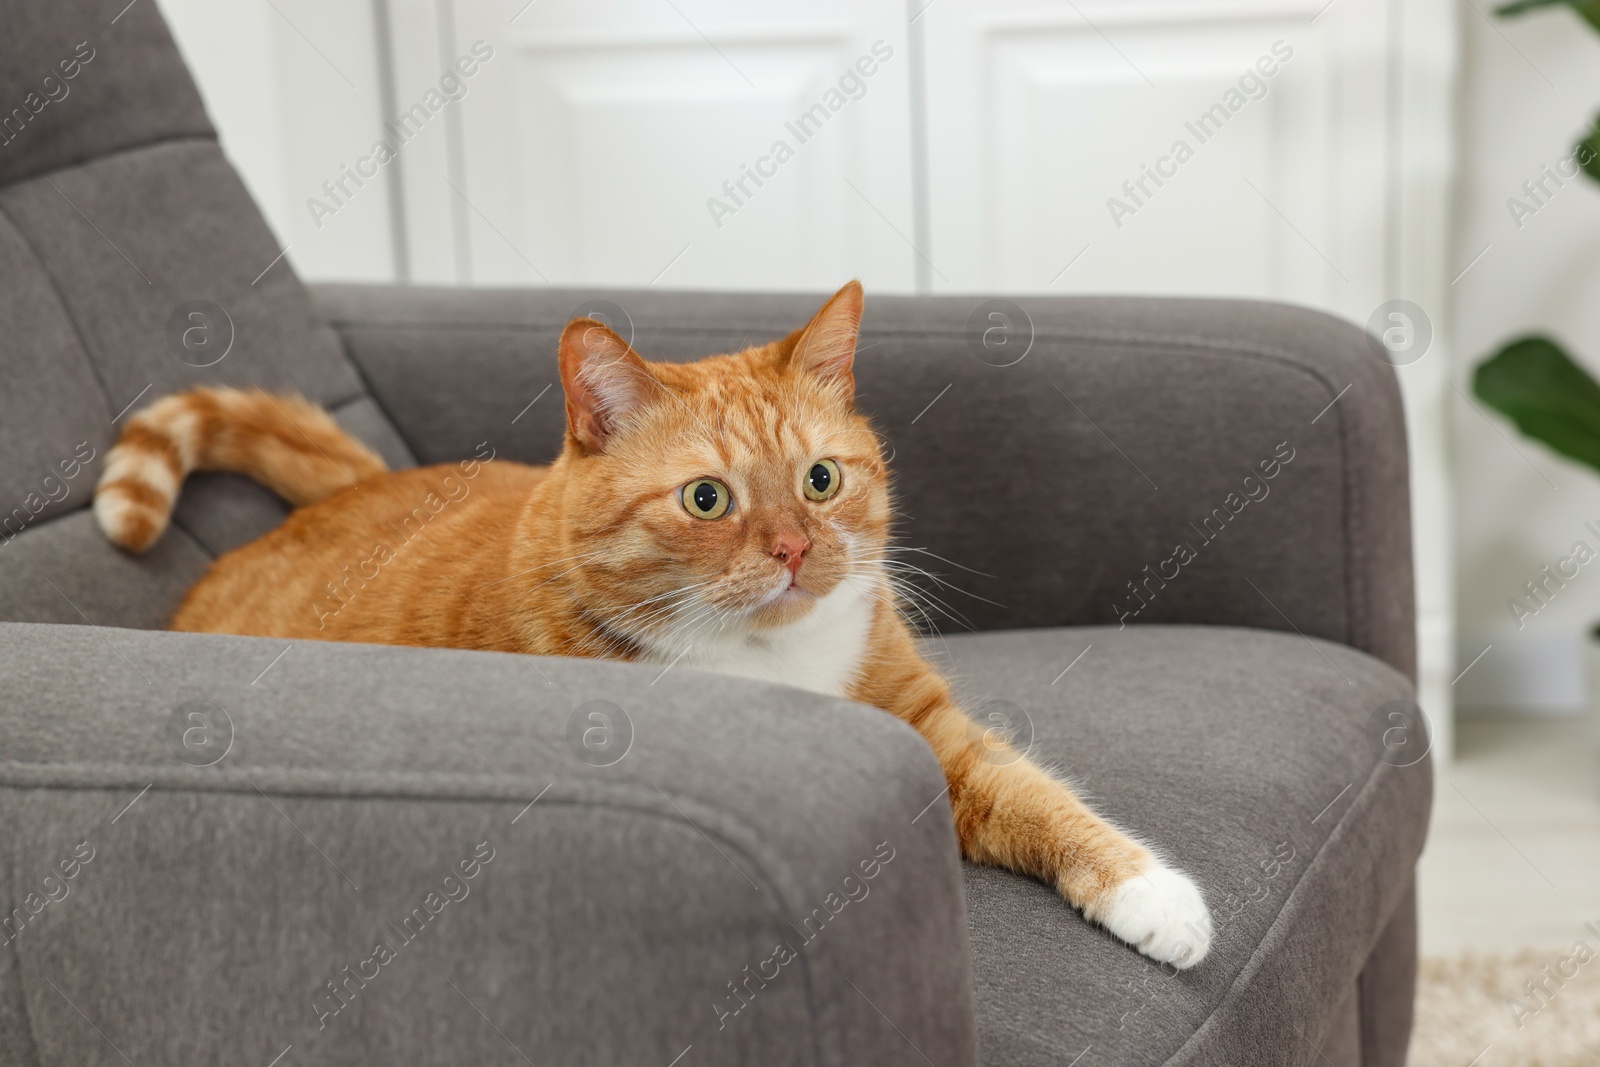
[{"x": 787, "y": 606}]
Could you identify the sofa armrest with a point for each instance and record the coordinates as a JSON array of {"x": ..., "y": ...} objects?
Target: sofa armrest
[
  {"x": 218, "y": 847},
  {"x": 1110, "y": 471}
]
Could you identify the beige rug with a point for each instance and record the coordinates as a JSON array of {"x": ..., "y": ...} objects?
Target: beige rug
[{"x": 1479, "y": 1010}]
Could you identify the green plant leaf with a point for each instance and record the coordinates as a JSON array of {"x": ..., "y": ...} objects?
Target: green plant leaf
[
  {"x": 1587, "y": 151},
  {"x": 1588, "y": 9},
  {"x": 1550, "y": 398}
]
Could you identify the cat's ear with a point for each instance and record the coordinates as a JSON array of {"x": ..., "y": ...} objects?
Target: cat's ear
[
  {"x": 827, "y": 345},
  {"x": 604, "y": 379}
]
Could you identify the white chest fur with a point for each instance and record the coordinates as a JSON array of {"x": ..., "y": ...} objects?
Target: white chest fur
[{"x": 820, "y": 652}]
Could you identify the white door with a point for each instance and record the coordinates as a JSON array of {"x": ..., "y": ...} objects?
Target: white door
[
  {"x": 683, "y": 143},
  {"x": 1198, "y": 149},
  {"x": 1287, "y": 149}
]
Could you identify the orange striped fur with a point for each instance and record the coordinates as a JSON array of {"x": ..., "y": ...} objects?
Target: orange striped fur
[
  {"x": 598, "y": 554},
  {"x": 287, "y": 444}
]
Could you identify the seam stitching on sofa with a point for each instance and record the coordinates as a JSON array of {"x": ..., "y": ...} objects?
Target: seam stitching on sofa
[
  {"x": 77, "y": 329},
  {"x": 366, "y": 389},
  {"x": 1253, "y": 964},
  {"x": 61, "y": 298},
  {"x": 1122, "y": 337},
  {"x": 165, "y": 139}
]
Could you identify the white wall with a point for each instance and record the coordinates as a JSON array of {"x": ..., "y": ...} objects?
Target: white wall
[
  {"x": 294, "y": 89},
  {"x": 1529, "y": 85}
]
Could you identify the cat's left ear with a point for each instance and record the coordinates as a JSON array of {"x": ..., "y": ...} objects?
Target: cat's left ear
[{"x": 827, "y": 346}]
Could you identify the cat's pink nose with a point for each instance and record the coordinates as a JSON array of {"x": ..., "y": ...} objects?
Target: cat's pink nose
[{"x": 790, "y": 550}]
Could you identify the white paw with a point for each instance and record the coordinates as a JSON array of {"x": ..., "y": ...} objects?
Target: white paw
[{"x": 1162, "y": 914}]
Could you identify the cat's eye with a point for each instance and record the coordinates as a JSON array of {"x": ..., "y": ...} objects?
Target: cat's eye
[
  {"x": 822, "y": 480},
  {"x": 705, "y": 498}
]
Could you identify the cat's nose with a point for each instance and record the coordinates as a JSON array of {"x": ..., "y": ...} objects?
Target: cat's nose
[{"x": 790, "y": 550}]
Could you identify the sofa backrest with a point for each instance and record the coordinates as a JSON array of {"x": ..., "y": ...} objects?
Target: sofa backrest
[
  {"x": 132, "y": 264},
  {"x": 1099, "y": 460}
]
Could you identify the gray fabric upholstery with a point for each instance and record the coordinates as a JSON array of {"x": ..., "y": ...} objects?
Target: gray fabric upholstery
[
  {"x": 117, "y": 212},
  {"x": 605, "y": 930},
  {"x": 1388, "y": 987},
  {"x": 64, "y": 571},
  {"x": 133, "y": 91},
  {"x": 1243, "y": 748},
  {"x": 1173, "y": 404},
  {"x": 619, "y": 906},
  {"x": 1342, "y": 1046}
]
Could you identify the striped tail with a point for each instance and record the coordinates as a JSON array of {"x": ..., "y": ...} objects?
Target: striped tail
[{"x": 286, "y": 443}]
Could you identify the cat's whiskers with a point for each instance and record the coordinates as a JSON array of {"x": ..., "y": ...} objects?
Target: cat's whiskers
[
  {"x": 901, "y": 598},
  {"x": 718, "y": 615},
  {"x": 703, "y": 616},
  {"x": 929, "y": 600},
  {"x": 563, "y": 574},
  {"x": 912, "y": 568},
  {"x": 540, "y": 567},
  {"x": 672, "y": 602},
  {"x": 672, "y": 663},
  {"x": 670, "y": 593},
  {"x": 600, "y": 644},
  {"x": 882, "y": 591},
  {"x": 912, "y": 599},
  {"x": 901, "y": 569},
  {"x": 682, "y": 607},
  {"x": 941, "y": 559},
  {"x": 876, "y": 588},
  {"x": 619, "y": 621},
  {"x": 878, "y": 579}
]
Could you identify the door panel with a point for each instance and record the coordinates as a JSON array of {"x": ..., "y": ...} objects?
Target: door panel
[
  {"x": 1256, "y": 165},
  {"x": 690, "y": 144}
]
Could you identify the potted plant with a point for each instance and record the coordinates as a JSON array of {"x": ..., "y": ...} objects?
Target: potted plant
[{"x": 1534, "y": 382}]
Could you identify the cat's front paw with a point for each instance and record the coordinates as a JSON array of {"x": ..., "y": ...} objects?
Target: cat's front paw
[{"x": 1162, "y": 914}]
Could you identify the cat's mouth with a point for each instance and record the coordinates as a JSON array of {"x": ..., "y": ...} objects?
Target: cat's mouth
[
  {"x": 792, "y": 592},
  {"x": 787, "y": 589},
  {"x": 786, "y": 600}
]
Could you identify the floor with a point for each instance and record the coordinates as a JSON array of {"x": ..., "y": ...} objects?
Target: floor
[{"x": 1513, "y": 857}]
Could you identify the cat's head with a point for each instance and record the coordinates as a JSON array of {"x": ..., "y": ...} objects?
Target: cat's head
[{"x": 735, "y": 491}]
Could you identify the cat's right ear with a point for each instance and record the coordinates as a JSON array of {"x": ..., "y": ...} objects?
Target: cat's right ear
[{"x": 605, "y": 382}]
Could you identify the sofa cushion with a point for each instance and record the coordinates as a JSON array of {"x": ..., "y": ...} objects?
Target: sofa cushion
[{"x": 1253, "y": 759}]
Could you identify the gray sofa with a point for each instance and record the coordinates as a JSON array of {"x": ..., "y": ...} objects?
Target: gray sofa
[{"x": 217, "y": 849}]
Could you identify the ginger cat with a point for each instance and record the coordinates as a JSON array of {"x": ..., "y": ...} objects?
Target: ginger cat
[{"x": 730, "y": 514}]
